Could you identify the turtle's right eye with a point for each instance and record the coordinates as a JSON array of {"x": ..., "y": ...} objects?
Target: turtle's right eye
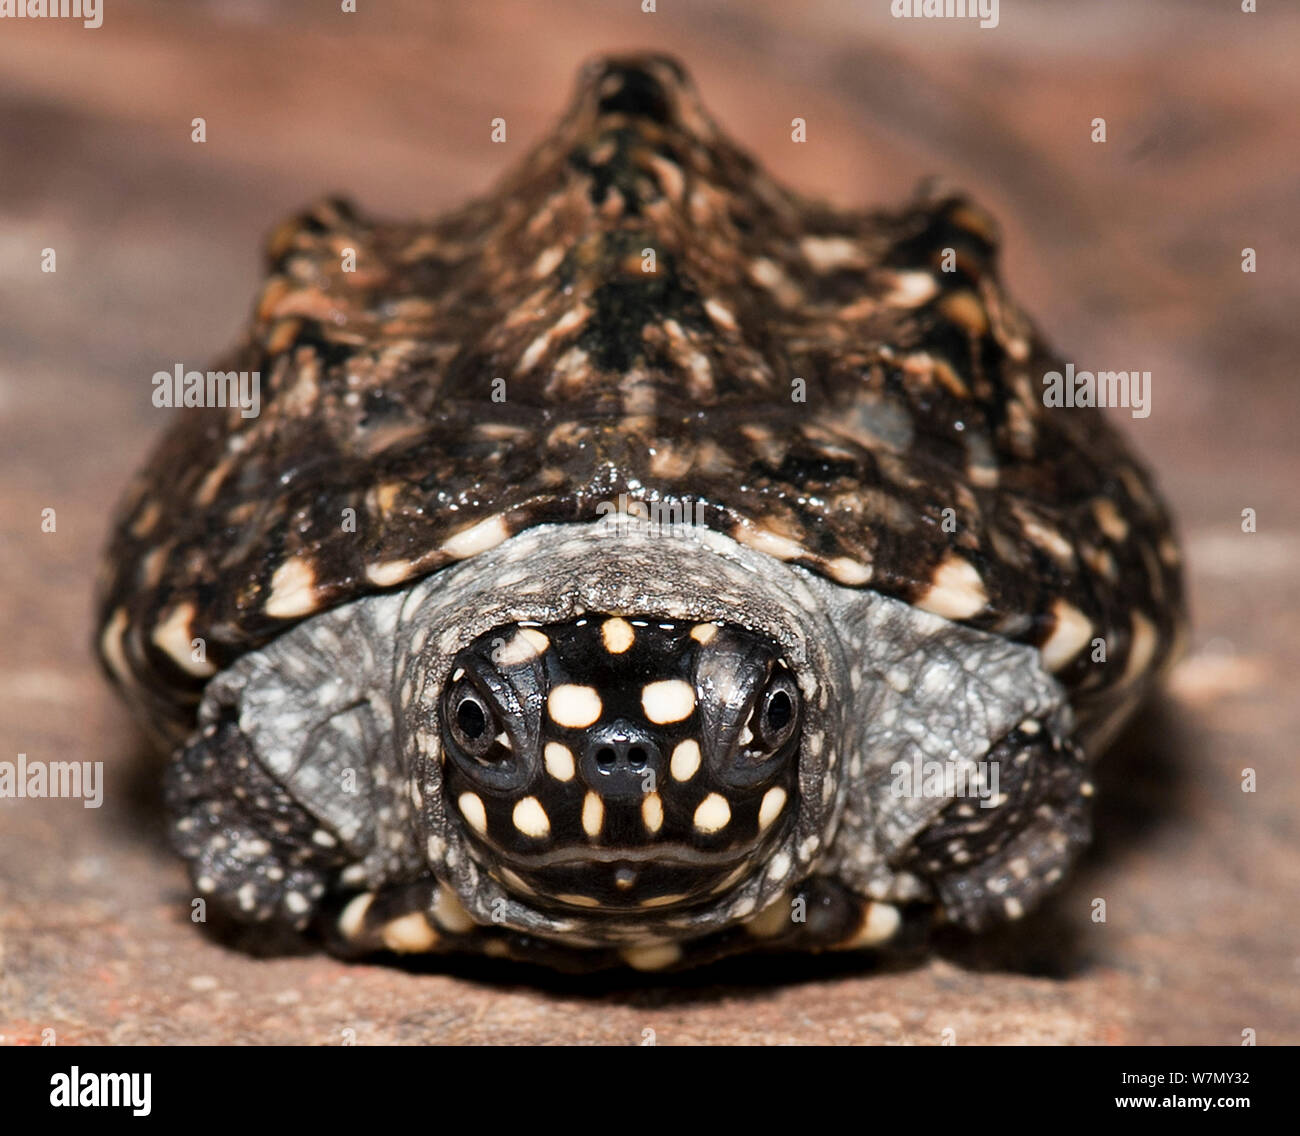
[{"x": 471, "y": 722}]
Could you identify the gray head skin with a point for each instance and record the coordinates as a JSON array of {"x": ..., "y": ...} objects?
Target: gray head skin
[{"x": 585, "y": 817}]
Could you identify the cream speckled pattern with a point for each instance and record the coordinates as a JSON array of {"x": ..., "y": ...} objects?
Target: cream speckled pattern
[{"x": 637, "y": 320}]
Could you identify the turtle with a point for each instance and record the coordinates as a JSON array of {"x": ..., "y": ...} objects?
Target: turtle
[{"x": 641, "y": 564}]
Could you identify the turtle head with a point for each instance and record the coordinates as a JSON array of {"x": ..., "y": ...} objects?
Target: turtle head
[{"x": 615, "y": 763}]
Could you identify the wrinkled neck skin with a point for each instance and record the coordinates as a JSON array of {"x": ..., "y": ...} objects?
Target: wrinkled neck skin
[
  {"x": 545, "y": 575},
  {"x": 357, "y": 689}
]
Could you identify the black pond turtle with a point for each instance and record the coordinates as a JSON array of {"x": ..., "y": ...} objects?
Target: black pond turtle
[{"x": 639, "y": 565}]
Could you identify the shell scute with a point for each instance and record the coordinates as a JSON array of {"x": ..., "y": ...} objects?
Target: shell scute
[{"x": 638, "y": 312}]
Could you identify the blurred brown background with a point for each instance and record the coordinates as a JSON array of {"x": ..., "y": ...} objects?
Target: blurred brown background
[{"x": 1127, "y": 253}]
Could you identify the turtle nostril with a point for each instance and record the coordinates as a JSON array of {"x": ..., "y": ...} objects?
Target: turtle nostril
[{"x": 619, "y": 757}]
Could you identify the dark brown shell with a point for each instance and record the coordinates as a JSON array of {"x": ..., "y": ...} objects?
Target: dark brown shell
[{"x": 922, "y": 387}]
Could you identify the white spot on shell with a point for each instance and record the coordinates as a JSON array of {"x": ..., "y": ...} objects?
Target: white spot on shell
[
  {"x": 845, "y": 570},
  {"x": 1048, "y": 539},
  {"x": 826, "y": 254},
  {"x": 1141, "y": 649},
  {"x": 174, "y": 635},
  {"x": 293, "y": 590},
  {"x": 110, "y": 644},
  {"x": 487, "y": 533},
  {"x": 720, "y": 314},
  {"x": 389, "y": 572},
  {"x": 912, "y": 289},
  {"x": 1069, "y": 636},
  {"x": 1109, "y": 520},
  {"x": 956, "y": 592},
  {"x": 548, "y": 261},
  {"x": 769, "y": 543}
]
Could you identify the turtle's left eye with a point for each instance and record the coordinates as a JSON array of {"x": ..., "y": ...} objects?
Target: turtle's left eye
[{"x": 778, "y": 713}]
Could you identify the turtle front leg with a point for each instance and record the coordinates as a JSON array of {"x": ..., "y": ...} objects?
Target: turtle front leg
[
  {"x": 994, "y": 858},
  {"x": 254, "y": 854}
]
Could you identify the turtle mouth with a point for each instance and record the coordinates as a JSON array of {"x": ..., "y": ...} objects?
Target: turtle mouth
[
  {"x": 620, "y": 882},
  {"x": 669, "y": 855}
]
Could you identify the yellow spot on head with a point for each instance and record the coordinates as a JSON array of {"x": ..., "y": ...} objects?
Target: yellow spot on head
[
  {"x": 593, "y": 814},
  {"x": 578, "y": 900},
  {"x": 531, "y": 819},
  {"x": 668, "y": 701},
  {"x": 652, "y": 812},
  {"x": 471, "y": 808},
  {"x": 573, "y": 706},
  {"x": 686, "y": 760},
  {"x": 617, "y": 635},
  {"x": 559, "y": 761},
  {"x": 770, "y": 809},
  {"x": 713, "y": 813},
  {"x": 661, "y": 900}
]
